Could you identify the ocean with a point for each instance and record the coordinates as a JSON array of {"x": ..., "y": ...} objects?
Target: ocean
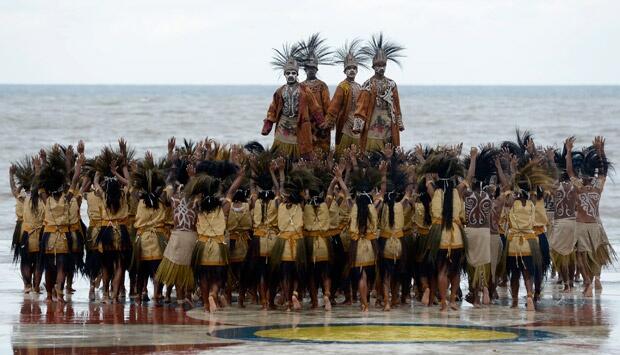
[{"x": 35, "y": 116}]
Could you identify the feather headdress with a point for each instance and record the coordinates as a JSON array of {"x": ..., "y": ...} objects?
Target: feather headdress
[
  {"x": 24, "y": 173},
  {"x": 381, "y": 50},
  {"x": 351, "y": 55},
  {"x": 287, "y": 58},
  {"x": 314, "y": 51}
]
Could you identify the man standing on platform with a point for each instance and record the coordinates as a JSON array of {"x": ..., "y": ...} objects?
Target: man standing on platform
[
  {"x": 314, "y": 52},
  {"x": 293, "y": 109},
  {"x": 343, "y": 104},
  {"x": 378, "y": 105}
]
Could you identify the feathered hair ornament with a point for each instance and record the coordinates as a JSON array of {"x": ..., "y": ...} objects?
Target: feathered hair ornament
[
  {"x": 593, "y": 163},
  {"x": 381, "y": 50},
  {"x": 445, "y": 164},
  {"x": 531, "y": 176},
  {"x": 260, "y": 170},
  {"x": 297, "y": 181},
  {"x": 351, "y": 55},
  {"x": 365, "y": 179},
  {"x": 24, "y": 173},
  {"x": 208, "y": 188},
  {"x": 149, "y": 180},
  {"x": 287, "y": 58},
  {"x": 485, "y": 165},
  {"x": 314, "y": 51}
]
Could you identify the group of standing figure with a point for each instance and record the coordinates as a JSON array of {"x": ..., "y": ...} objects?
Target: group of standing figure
[{"x": 213, "y": 222}]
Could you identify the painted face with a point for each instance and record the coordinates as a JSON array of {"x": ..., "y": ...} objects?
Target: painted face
[
  {"x": 291, "y": 76},
  {"x": 379, "y": 69},
  {"x": 311, "y": 72},
  {"x": 350, "y": 72}
]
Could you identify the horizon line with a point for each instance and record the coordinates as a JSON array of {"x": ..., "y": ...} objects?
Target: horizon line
[{"x": 278, "y": 84}]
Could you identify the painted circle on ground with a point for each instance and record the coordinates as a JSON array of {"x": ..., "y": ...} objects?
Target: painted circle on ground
[{"x": 382, "y": 333}]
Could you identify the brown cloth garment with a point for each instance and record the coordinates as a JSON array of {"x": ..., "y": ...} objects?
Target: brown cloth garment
[
  {"x": 338, "y": 110},
  {"x": 320, "y": 91},
  {"x": 309, "y": 111},
  {"x": 366, "y": 105}
]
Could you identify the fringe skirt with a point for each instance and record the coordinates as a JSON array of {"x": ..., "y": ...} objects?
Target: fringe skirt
[
  {"x": 92, "y": 265},
  {"x": 15, "y": 243},
  {"x": 175, "y": 268},
  {"x": 435, "y": 256}
]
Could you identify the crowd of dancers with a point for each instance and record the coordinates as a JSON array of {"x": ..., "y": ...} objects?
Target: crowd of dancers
[{"x": 220, "y": 224}]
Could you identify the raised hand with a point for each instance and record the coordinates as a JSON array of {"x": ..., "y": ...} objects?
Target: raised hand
[
  {"x": 122, "y": 145},
  {"x": 191, "y": 169},
  {"x": 473, "y": 152},
  {"x": 148, "y": 156},
  {"x": 569, "y": 143},
  {"x": 550, "y": 153},
  {"x": 80, "y": 147},
  {"x": 172, "y": 142},
  {"x": 80, "y": 160},
  {"x": 12, "y": 169},
  {"x": 383, "y": 167},
  {"x": 388, "y": 151}
]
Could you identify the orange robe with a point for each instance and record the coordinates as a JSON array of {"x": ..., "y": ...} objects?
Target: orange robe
[
  {"x": 309, "y": 111},
  {"x": 338, "y": 111},
  {"x": 320, "y": 91},
  {"x": 366, "y": 105}
]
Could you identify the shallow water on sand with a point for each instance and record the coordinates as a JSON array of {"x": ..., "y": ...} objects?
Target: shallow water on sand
[{"x": 32, "y": 117}]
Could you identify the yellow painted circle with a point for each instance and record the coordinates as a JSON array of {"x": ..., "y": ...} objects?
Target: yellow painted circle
[{"x": 385, "y": 333}]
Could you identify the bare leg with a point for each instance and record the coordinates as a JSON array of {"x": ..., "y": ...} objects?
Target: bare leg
[
  {"x": 442, "y": 283},
  {"x": 363, "y": 289},
  {"x": 327, "y": 285}
]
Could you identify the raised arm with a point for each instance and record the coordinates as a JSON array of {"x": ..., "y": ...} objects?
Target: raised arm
[
  {"x": 171, "y": 144},
  {"x": 383, "y": 169},
  {"x": 231, "y": 191},
  {"x": 568, "y": 144},
  {"x": 76, "y": 176},
  {"x": 471, "y": 171},
  {"x": 14, "y": 188},
  {"x": 430, "y": 187},
  {"x": 599, "y": 144}
]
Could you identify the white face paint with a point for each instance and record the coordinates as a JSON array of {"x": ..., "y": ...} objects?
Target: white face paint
[
  {"x": 291, "y": 76},
  {"x": 379, "y": 69},
  {"x": 350, "y": 72}
]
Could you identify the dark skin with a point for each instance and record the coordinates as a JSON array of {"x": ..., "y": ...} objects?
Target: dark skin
[
  {"x": 363, "y": 286},
  {"x": 311, "y": 72},
  {"x": 57, "y": 281}
]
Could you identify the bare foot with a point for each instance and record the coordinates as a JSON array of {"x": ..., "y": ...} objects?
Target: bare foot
[
  {"x": 327, "y": 304},
  {"x": 364, "y": 308},
  {"x": 296, "y": 304},
  {"x": 426, "y": 296},
  {"x": 515, "y": 303},
  {"x": 454, "y": 306},
  {"x": 530, "y": 304},
  {"x": 588, "y": 291},
  {"x": 212, "y": 304},
  {"x": 485, "y": 296},
  {"x": 443, "y": 306},
  {"x": 597, "y": 284},
  {"x": 387, "y": 307}
]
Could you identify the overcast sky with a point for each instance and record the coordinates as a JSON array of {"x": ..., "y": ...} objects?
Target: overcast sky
[{"x": 230, "y": 42}]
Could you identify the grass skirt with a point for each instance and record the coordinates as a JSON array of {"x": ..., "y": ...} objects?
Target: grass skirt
[
  {"x": 171, "y": 274},
  {"x": 434, "y": 256},
  {"x": 92, "y": 266},
  {"x": 544, "y": 252},
  {"x": 286, "y": 150},
  {"x": 22, "y": 253},
  {"x": 278, "y": 249},
  {"x": 15, "y": 244},
  {"x": 136, "y": 255}
]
